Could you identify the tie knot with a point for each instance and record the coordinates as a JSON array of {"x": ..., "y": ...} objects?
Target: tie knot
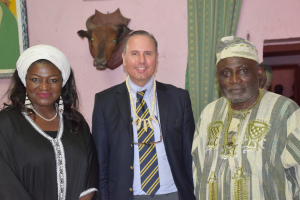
[{"x": 140, "y": 95}]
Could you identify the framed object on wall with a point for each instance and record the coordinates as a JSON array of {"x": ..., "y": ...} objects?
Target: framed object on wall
[{"x": 13, "y": 34}]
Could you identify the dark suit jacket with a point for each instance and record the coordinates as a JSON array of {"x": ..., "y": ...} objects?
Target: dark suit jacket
[{"x": 112, "y": 132}]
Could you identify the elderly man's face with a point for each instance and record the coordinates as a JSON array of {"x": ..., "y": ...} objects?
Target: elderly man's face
[
  {"x": 140, "y": 59},
  {"x": 238, "y": 78}
]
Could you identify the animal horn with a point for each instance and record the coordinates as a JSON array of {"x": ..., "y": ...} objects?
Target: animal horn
[{"x": 89, "y": 24}]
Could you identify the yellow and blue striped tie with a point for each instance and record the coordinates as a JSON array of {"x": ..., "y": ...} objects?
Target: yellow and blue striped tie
[{"x": 150, "y": 182}]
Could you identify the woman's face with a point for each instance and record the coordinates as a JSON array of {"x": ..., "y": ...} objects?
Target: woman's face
[{"x": 43, "y": 84}]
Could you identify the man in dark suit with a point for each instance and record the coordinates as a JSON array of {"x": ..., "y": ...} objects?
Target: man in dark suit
[{"x": 143, "y": 131}]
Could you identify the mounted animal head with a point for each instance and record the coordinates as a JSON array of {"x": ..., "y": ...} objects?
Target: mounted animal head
[{"x": 105, "y": 41}]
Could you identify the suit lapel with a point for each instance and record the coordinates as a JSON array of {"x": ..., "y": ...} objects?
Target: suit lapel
[
  {"x": 123, "y": 103},
  {"x": 163, "y": 99}
]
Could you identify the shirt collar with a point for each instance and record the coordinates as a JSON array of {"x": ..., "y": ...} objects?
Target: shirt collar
[{"x": 134, "y": 88}]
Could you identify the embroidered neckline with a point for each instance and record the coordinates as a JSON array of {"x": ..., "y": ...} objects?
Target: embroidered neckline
[
  {"x": 61, "y": 174},
  {"x": 229, "y": 148},
  {"x": 245, "y": 110},
  {"x": 38, "y": 129}
]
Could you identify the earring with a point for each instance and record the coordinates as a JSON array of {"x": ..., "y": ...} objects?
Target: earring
[
  {"x": 27, "y": 103},
  {"x": 61, "y": 105}
]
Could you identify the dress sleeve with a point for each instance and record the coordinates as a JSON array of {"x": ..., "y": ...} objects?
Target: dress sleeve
[
  {"x": 291, "y": 154},
  {"x": 91, "y": 182},
  {"x": 11, "y": 186}
]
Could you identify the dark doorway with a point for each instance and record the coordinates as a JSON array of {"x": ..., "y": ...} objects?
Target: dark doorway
[{"x": 284, "y": 57}]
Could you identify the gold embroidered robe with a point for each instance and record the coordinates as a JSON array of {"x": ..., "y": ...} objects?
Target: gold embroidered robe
[{"x": 249, "y": 155}]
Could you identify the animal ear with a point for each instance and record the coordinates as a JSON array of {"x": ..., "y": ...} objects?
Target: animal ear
[
  {"x": 83, "y": 34},
  {"x": 123, "y": 31}
]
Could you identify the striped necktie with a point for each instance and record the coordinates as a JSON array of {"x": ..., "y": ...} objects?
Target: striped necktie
[{"x": 150, "y": 182}]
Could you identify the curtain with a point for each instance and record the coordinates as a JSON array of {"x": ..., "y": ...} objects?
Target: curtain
[{"x": 208, "y": 22}]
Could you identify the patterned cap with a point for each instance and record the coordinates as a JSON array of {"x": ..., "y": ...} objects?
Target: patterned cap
[{"x": 232, "y": 46}]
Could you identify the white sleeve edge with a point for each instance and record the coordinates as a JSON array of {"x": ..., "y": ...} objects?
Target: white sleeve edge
[{"x": 88, "y": 191}]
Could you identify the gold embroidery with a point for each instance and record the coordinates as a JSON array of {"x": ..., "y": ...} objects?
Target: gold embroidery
[
  {"x": 232, "y": 138},
  {"x": 213, "y": 132},
  {"x": 228, "y": 150},
  {"x": 229, "y": 146},
  {"x": 240, "y": 184},
  {"x": 213, "y": 186},
  {"x": 256, "y": 131}
]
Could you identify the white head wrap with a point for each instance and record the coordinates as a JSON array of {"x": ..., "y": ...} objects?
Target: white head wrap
[
  {"x": 232, "y": 46},
  {"x": 46, "y": 52}
]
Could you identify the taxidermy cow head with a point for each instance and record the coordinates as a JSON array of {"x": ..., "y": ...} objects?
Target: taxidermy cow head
[{"x": 105, "y": 34}]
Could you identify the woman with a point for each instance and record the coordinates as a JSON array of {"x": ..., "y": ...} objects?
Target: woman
[{"x": 46, "y": 149}]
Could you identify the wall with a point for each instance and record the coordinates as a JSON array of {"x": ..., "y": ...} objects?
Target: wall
[
  {"x": 56, "y": 23},
  {"x": 269, "y": 19},
  {"x": 281, "y": 60},
  {"x": 286, "y": 79}
]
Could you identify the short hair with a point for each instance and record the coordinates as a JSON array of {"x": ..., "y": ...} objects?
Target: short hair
[
  {"x": 139, "y": 32},
  {"x": 278, "y": 89},
  {"x": 267, "y": 69}
]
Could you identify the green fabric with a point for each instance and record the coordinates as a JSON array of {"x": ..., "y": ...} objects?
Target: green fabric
[
  {"x": 9, "y": 39},
  {"x": 208, "y": 22}
]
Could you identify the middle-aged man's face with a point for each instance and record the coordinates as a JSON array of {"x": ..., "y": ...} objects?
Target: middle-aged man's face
[
  {"x": 238, "y": 78},
  {"x": 140, "y": 59}
]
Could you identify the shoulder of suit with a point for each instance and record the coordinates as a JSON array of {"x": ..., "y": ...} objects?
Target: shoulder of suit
[
  {"x": 171, "y": 88},
  {"x": 110, "y": 91}
]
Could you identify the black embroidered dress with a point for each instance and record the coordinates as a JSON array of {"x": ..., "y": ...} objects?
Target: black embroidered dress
[{"x": 35, "y": 166}]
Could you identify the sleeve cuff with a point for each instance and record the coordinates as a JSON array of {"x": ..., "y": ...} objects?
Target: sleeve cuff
[{"x": 88, "y": 191}]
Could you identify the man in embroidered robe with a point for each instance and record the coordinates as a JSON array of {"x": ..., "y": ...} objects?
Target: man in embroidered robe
[
  {"x": 246, "y": 144},
  {"x": 143, "y": 131}
]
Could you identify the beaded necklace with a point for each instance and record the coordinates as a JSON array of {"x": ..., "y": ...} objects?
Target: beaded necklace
[
  {"x": 138, "y": 119},
  {"x": 245, "y": 112},
  {"x": 42, "y": 116}
]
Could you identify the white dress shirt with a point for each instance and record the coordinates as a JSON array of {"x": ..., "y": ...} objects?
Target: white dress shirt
[{"x": 167, "y": 184}]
